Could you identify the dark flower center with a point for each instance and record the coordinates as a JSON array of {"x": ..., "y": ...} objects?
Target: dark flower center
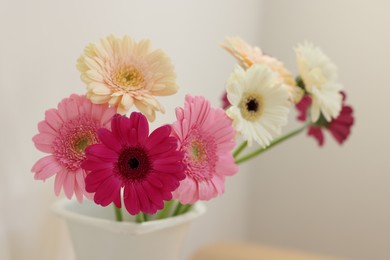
[
  {"x": 133, "y": 164},
  {"x": 252, "y": 105}
]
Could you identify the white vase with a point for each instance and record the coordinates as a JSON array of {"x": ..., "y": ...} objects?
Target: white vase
[{"x": 97, "y": 236}]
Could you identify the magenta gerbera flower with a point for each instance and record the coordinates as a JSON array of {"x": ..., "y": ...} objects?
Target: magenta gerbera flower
[
  {"x": 206, "y": 137},
  {"x": 339, "y": 127},
  {"x": 64, "y": 134},
  {"x": 148, "y": 167}
]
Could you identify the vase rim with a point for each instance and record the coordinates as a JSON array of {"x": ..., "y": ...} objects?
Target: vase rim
[{"x": 66, "y": 209}]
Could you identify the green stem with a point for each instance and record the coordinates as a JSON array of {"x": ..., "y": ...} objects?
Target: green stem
[
  {"x": 185, "y": 208},
  {"x": 240, "y": 149},
  {"x": 273, "y": 143},
  {"x": 181, "y": 209},
  {"x": 118, "y": 214},
  {"x": 140, "y": 217},
  {"x": 178, "y": 209},
  {"x": 164, "y": 213}
]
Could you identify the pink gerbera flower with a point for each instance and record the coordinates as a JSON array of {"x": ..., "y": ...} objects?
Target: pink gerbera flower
[
  {"x": 339, "y": 127},
  {"x": 149, "y": 167},
  {"x": 64, "y": 134},
  {"x": 206, "y": 137}
]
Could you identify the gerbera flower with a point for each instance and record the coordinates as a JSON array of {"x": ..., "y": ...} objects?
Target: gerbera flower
[
  {"x": 259, "y": 103},
  {"x": 319, "y": 76},
  {"x": 339, "y": 127},
  {"x": 123, "y": 73},
  {"x": 247, "y": 55},
  {"x": 64, "y": 134},
  {"x": 206, "y": 137},
  {"x": 148, "y": 167}
]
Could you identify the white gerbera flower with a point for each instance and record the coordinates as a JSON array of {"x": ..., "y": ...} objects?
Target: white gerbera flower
[
  {"x": 259, "y": 103},
  {"x": 247, "y": 55},
  {"x": 319, "y": 75}
]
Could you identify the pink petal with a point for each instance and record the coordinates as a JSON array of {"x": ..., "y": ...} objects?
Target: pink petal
[
  {"x": 44, "y": 127},
  {"x": 339, "y": 132},
  {"x": 316, "y": 132},
  {"x": 188, "y": 192},
  {"x": 46, "y": 167},
  {"x": 157, "y": 136},
  {"x": 78, "y": 193},
  {"x": 101, "y": 152},
  {"x": 72, "y": 109},
  {"x": 108, "y": 139},
  {"x": 53, "y": 119},
  {"x": 96, "y": 178},
  {"x": 68, "y": 185},
  {"x": 107, "y": 116},
  {"x": 44, "y": 142},
  {"x": 155, "y": 181},
  {"x": 132, "y": 137},
  {"x": 226, "y": 166},
  {"x": 94, "y": 163},
  {"x": 108, "y": 191},
  {"x": 302, "y": 107},
  {"x": 59, "y": 181},
  {"x": 154, "y": 194},
  {"x": 219, "y": 184},
  {"x": 143, "y": 199},
  {"x": 143, "y": 129},
  {"x": 120, "y": 126},
  {"x": 97, "y": 111},
  {"x": 162, "y": 148},
  {"x": 206, "y": 190},
  {"x": 130, "y": 199}
]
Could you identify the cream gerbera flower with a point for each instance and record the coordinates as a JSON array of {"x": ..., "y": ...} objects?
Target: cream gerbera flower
[
  {"x": 247, "y": 55},
  {"x": 259, "y": 103},
  {"x": 123, "y": 73},
  {"x": 319, "y": 76}
]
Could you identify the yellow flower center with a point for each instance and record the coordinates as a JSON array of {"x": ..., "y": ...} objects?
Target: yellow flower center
[
  {"x": 81, "y": 143},
  {"x": 197, "y": 150},
  {"x": 128, "y": 77},
  {"x": 251, "y": 106}
]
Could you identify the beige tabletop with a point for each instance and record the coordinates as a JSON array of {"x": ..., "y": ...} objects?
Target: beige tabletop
[{"x": 245, "y": 251}]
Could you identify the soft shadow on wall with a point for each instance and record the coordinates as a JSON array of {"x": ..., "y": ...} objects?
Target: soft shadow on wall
[{"x": 332, "y": 200}]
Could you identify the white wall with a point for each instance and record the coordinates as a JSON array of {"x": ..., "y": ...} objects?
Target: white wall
[
  {"x": 332, "y": 200},
  {"x": 40, "y": 42}
]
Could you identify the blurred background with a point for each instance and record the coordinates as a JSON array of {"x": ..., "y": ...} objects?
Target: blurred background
[{"x": 331, "y": 200}]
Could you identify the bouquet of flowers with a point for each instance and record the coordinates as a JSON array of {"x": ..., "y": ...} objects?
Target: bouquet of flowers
[{"x": 100, "y": 148}]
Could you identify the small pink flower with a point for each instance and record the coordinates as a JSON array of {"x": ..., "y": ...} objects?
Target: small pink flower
[
  {"x": 149, "y": 167},
  {"x": 64, "y": 134},
  {"x": 339, "y": 127},
  {"x": 206, "y": 137}
]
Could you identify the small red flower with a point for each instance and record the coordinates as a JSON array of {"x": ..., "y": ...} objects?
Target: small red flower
[{"x": 339, "y": 127}]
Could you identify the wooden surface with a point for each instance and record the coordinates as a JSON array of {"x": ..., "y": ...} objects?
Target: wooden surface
[{"x": 244, "y": 251}]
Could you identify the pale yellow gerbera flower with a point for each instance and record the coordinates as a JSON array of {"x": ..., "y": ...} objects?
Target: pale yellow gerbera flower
[
  {"x": 319, "y": 76},
  {"x": 123, "y": 73},
  {"x": 259, "y": 103},
  {"x": 247, "y": 55}
]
